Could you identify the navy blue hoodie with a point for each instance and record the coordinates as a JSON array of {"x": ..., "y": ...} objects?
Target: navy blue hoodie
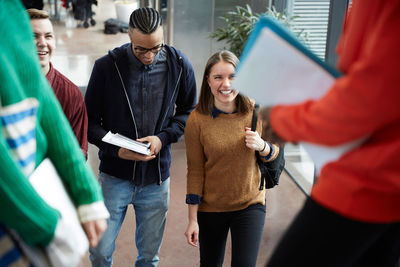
[{"x": 109, "y": 109}]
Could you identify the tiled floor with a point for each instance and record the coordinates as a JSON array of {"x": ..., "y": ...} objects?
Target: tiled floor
[{"x": 77, "y": 48}]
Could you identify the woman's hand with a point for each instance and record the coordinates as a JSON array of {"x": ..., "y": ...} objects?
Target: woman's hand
[
  {"x": 94, "y": 230},
  {"x": 192, "y": 233},
  {"x": 255, "y": 142}
]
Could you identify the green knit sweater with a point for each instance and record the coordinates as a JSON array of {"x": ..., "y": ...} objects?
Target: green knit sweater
[
  {"x": 21, "y": 207},
  {"x": 221, "y": 169}
]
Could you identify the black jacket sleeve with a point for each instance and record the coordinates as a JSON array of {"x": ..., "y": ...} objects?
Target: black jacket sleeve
[{"x": 185, "y": 103}]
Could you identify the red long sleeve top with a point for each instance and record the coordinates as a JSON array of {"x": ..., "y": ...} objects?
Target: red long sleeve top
[
  {"x": 364, "y": 184},
  {"x": 73, "y": 105}
]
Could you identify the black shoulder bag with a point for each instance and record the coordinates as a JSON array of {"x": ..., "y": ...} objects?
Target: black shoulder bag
[{"x": 270, "y": 171}]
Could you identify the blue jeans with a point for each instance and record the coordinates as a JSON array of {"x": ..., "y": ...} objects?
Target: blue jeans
[{"x": 151, "y": 205}]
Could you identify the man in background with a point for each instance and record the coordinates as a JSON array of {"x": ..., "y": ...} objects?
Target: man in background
[{"x": 67, "y": 93}]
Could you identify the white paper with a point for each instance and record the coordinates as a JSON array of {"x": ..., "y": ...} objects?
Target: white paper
[
  {"x": 125, "y": 142},
  {"x": 48, "y": 185},
  {"x": 275, "y": 72},
  {"x": 321, "y": 155}
]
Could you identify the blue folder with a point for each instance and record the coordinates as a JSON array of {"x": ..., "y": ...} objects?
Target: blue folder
[
  {"x": 287, "y": 35},
  {"x": 276, "y": 68}
]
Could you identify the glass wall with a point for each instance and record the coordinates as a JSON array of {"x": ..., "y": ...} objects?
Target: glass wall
[
  {"x": 193, "y": 21},
  {"x": 312, "y": 19}
]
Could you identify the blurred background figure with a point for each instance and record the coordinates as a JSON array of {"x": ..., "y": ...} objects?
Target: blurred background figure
[
  {"x": 82, "y": 10},
  {"x": 38, "y": 4}
]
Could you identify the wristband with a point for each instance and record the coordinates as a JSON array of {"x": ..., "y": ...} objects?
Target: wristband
[
  {"x": 265, "y": 144},
  {"x": 271, "y": 151}
]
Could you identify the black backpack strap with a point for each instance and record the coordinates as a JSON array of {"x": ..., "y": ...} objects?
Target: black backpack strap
[
  {"x": 259, "y": 161},
  {"x": 254, "y": 119}
]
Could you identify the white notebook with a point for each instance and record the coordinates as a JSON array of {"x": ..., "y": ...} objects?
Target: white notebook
[
  {"x": 49, "y": 186},
  {"x": 125, "y": 142}
]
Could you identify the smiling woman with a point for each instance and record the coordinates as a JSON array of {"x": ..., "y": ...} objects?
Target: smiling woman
[
  {"x": 220, "y": 81},
  {"x": 223, "y": 193}
]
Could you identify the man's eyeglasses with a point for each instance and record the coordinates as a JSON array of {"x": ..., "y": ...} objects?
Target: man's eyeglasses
[{"x": 141, "y": 50}]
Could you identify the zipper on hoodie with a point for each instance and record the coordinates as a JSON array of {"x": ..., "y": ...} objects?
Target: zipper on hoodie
[
  {"x": 165, "y": 115},
  {"x": 130, "y": 109}
]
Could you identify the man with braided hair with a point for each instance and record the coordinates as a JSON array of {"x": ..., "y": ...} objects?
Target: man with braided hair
[{"x": 144, "y": 90}]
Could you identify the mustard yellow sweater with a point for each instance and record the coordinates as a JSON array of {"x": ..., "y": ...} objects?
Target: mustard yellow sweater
[{"x": 221, "y": 169}]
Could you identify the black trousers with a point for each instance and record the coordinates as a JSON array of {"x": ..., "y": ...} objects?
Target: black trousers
[
  {"x": 319, "y": 237},
  {"x": 246, "y": 228}
]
